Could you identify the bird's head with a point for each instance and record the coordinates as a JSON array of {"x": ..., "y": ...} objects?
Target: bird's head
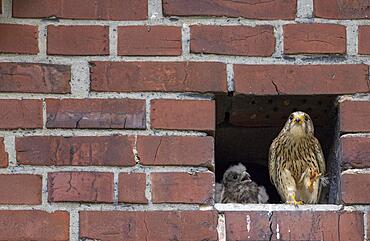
[
  {"x": 236, "y": 174},
  {"x": 299, "y": 124}
]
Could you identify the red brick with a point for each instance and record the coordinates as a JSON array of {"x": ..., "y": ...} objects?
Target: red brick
[
  {"x": 176, "y": 187},
  {"x": 259, "y": 9},
  {"x": 344, "y": 9},
  {"x": 318, "y": 225},
  {"x": 158, "y": 76},
  {"x": 355, "y": 151},
  {"x": 131, "y": 188},
  {"x": 18, "y": 39},
  {"x": 149, "y": 40},
  {"x": 17, "y": 189},
  {"x": 354, "y": 116},
  {"x": 364, "y": 39},
  {"x": 176, "y": 150},
  {"x": 149, "y": 225},
  {"x": 301, "y": 79},
  {"x": 183, "y": 115},
  {"x": 315, "y": 39},
  {"x": 20, "y": 114},
  {"x": 75, "y": 151},
  {"x": 232, "y": 40},
  {"x": 34, "y": 225},
  {"x": 82, "y": 9},
  {"x": 95, "y": 113},
  {"x": 3, "y": 154},
  {"x": 34, "y": 78},
  {"x": 93, "y": 187},
  {"x": 78, "y": 40},
  {"x": 353, "y": 186}
]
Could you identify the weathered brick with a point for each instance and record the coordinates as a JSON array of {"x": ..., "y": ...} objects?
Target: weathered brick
[
  {"x": 301, "y": 79},
  {"x": 183, "y": 114},
  {"x": 20, "y": 114},
  {"x": 364, "y": 39},
  {"x": 35, "y": 78},
  {"x": 75, "y": 151},
  {"x": 149, "y": 225},
  {"x": 82, "y": 9},
  {"x": 78, "y": 40},
  {"x": 232, "y": 40},
  {"x": 354, "y": 116},
  {"x": 131, "y": 188},
  {"x": 259, "y": 9},
  {"x": 34, "y": 225},
  {"x": 318, "y": 225},
  {"x": 3, "y": 154},
  {"x": 315, "y": 39},
  {"x": 344, "y": 9},
  {"x": 175, "y": 187},
  {"x": 353, "y": 186},
  {"x": 18, "y": 39},
  {"x": 355, "y": 151},
  {"x": 149, "y": 40},
  {"x": 93, "y": 187},
  {"x": 17, "y": 189},
  {"x": 158, "y": 76},
  {"x": 95, "y": 113},
  {"x": 176, "y": 150}
]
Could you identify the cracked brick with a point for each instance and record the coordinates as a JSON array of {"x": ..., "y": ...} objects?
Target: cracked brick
[
  {"x": 158, "y": 76},
  {"x": 91, "y": 187},
  {"x": 232, "y": 40}
]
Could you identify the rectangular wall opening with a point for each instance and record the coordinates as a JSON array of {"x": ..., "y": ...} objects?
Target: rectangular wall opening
[{"x": 247, "y": 125}]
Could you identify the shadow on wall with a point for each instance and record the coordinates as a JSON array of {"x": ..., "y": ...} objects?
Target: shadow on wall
[{"x": 246, "y": 126}]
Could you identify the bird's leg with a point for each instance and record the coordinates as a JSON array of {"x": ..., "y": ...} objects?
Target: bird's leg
[{"x": 291, "y": 189}]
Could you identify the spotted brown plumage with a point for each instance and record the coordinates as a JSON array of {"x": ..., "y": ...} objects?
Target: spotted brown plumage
[{"x": 296, "y": 161}]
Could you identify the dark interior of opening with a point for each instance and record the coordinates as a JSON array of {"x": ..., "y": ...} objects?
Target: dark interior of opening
[{"x": 246, "y": 126}]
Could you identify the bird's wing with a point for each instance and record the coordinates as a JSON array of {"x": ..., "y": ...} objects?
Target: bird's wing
[
  {"x": 272, "y": 161},
  {"x": 320, "y": 157}
]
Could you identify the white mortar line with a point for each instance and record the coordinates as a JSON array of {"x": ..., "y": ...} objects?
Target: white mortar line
[
  {"x": 230, "y": 77},
  {"x": 221, "y": 227},
  {"x": 94, "y": 132},
  {"x": 304, "y": 9},
  {"x": 148, "y": 188},
  {"x": 44, "y": 193},
  {"x": 113, "y": 40},
  {"x": 352, "y": 39},
  {"x": 147, "y": 113},
  {"x": 279, "y": 41},
  {"x": 115, "y": 185},
  {"x": 275, "y": 207},
  {"x": 366, "y": 226},
  {"x": 40, "y": 170},
  {"x": 7, "y": 9},
  {"x": 80, "y": 79},
  {"x": 42, "y": 40},
  {"x": 9, "y": 143},
  {"x": 74, "y": 225},
  {"x": 44, "y": 114},
  {"x": 155, "y": 10},
  {"x": 185, "y": 36}
]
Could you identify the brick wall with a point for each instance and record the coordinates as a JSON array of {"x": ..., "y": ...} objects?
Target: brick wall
[{"x": 107, "y": 114}]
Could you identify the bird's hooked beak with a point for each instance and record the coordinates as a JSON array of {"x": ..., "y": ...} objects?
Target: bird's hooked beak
[
  {"x": 298, "y": 119},
  {"x": 245, "y": 177}
]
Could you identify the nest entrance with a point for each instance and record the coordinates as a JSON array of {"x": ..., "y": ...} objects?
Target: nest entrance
[{"x": 246, "y": 126}]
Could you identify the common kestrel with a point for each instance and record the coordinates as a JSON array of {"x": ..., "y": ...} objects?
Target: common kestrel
[
  {"x": 296, "y": 161},
  {"x": 237, "y": 187}
]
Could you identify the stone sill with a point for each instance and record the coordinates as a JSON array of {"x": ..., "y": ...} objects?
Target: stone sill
[{"x": 275, "y": 207}]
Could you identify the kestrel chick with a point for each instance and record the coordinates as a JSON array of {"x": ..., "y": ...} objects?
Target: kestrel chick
[
  {"x": 237, "y": 187},
  {"x": 296, "y": 161}
]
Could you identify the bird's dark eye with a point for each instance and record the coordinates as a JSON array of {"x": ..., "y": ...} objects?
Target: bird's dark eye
[
  {"x": 291, "y": 117},
  {"x": 235, "y": 177}
]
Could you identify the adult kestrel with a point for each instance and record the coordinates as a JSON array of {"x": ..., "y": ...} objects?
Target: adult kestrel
[
  {"x": 238, "y": 187},
  {"x": 296, "y": 161}
]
